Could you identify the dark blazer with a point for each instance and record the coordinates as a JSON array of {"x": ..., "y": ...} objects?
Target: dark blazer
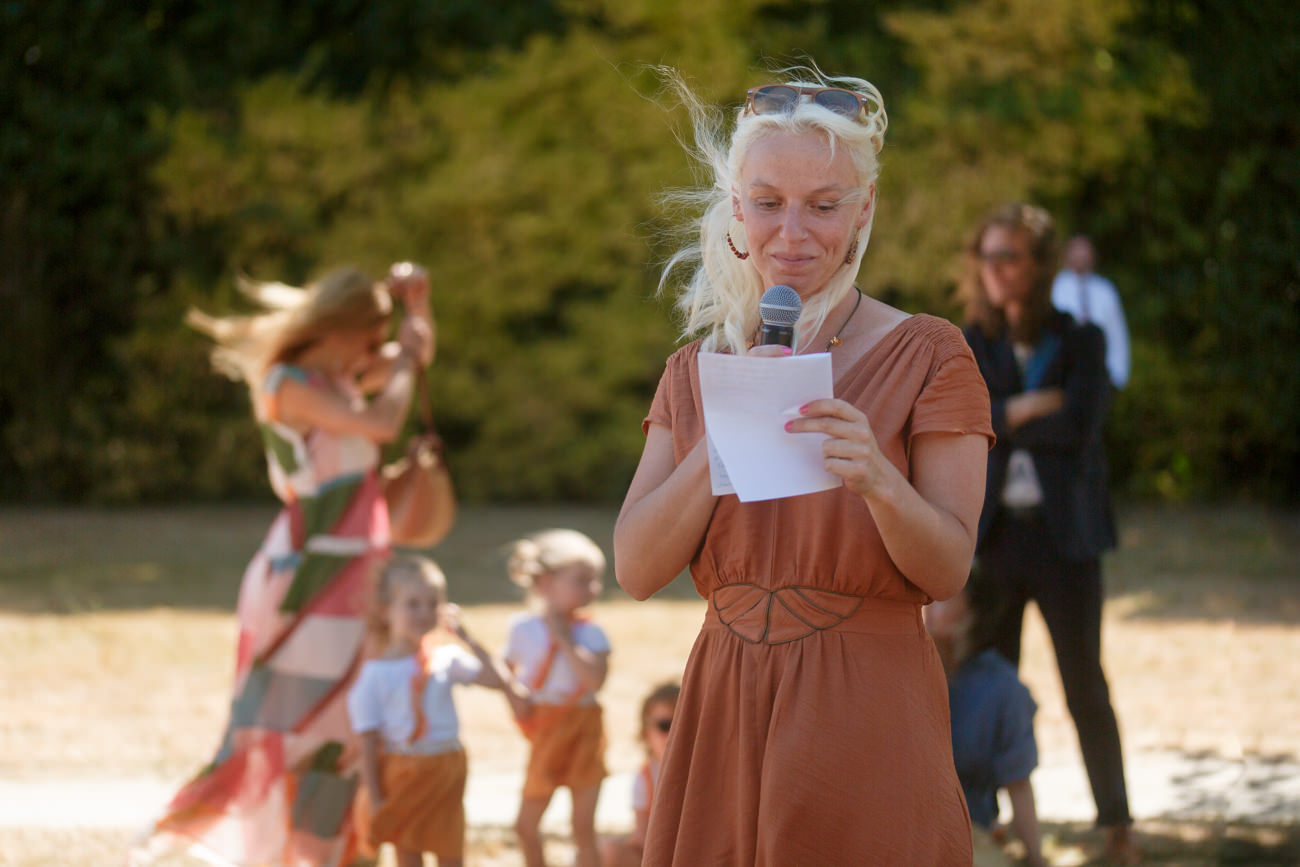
[{"x": 1067, "y": 446}]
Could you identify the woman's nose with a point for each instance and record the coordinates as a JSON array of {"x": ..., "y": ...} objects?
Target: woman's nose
[{"x": 792, "y": 224}]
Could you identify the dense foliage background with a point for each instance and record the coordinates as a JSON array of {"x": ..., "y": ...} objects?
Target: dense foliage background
[{"x": 149, "y": 152}]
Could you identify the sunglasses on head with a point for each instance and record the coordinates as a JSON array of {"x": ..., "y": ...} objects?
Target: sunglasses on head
[
  {"x": 1001, "y": 257},
  {"x": 777, "y": 98}
]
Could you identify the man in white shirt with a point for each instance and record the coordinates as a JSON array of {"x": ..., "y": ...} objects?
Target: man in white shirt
[{"x": 1089, "y": 297}]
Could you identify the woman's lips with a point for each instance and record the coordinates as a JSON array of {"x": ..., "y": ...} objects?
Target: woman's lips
[{"x": 791, "y": 260}]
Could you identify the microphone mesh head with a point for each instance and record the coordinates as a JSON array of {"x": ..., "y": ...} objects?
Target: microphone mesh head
[{"x": 780, "y": 305}]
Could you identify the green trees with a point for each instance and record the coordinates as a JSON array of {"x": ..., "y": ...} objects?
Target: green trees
[
  {"x": 1206, "y": 235},
  {"x": 518, "y": 149}
]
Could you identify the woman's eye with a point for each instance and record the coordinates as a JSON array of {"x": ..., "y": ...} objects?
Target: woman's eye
[
  {"x": 825, "y": 207},
  {"x": 767, "y": 204}
]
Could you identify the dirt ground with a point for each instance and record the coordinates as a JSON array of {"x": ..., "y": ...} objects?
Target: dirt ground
[{"x": 117, "y": 636}]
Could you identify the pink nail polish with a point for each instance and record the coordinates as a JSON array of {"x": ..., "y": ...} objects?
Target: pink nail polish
[
  {"x": 785, "y": 350},
  {"x": 803, "y": 410},
  {"x": 789, "y": 425}
]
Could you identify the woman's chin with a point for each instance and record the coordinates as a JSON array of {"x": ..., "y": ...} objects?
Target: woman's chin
[{"x": 801, "y": 283}]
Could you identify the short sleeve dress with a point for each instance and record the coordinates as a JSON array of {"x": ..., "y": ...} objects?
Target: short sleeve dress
[{"x": 812, "y": 726}]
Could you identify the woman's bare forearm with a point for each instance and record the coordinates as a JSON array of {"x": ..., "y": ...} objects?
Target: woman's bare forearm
[
  {"x": 661, "y": 525},
  {"x": 390, "y": 406},
  {"x": 929, "y": 546},
  {"x": 929, "y": 525}
]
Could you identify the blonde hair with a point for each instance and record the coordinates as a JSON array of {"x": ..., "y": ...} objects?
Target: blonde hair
[
  {"x": 549, "y": 551},
  {"x": 396, "y": 570},
  {"x": 721, "y": 296},
  {"x": 292, "y": 319}
]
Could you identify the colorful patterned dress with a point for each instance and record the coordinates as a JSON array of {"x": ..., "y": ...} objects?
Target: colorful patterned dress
[{"x": 280, "y": 789}]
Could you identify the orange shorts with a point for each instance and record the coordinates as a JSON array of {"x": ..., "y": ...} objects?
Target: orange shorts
[
  {"x": 424, "y": 805},
  {"x": 568, "y": 749}
]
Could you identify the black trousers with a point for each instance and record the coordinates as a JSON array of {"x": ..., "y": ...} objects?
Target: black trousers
[{"x": 1019, "y": 558}]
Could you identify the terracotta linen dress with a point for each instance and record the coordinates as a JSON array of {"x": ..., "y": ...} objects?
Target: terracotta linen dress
[{"x": 812, "y": 726}]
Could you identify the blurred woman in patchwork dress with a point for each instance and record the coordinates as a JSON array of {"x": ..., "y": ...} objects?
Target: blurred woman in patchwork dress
[{"x": 328, "y": 388}]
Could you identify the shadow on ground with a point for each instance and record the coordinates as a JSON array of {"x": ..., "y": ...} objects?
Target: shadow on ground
[
  {"x": 73, "y": 560},
  {"x": 1181, "y": 844},
  {"x": 1233, "y": 562},
  {"x": 1207, "y": 562}
]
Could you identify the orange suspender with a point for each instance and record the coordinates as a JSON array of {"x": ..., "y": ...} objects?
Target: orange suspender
[
  {"x": 419, "y": 681},
  {"x": 544, "y": 671}
]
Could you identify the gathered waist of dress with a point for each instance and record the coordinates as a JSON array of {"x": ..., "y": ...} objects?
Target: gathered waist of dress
[{"x": 761, "y": 616}]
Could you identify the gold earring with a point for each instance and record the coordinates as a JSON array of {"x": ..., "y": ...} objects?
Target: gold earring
[{"x": 853, "y": 252}]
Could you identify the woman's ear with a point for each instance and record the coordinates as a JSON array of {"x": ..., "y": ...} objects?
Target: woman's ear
[
  {"x": 735, "y": 207},
  {"x": 865, "y": 216}
]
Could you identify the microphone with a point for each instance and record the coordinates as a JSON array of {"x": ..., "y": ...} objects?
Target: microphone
[{"x": 779, "y": 309}]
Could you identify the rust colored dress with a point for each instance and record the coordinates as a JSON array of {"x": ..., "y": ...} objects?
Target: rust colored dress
[{"x": 812, "y": 727}]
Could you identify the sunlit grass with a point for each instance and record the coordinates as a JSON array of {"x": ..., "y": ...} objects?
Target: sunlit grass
[{"x": 117, "y": 636}]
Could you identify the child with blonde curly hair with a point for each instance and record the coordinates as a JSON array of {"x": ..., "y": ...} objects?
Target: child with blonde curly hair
[{"x": 562, "y": 658}]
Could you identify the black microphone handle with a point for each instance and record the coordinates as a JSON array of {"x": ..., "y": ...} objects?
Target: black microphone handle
[{"x": 774, "y": 334}]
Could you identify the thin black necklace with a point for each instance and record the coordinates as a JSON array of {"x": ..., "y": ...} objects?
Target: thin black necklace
[{"x": 835, "y": 341}]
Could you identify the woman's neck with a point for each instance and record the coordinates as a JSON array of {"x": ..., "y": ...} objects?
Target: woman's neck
[
  {"x": 840, "y": 322},
  {"x": 1014, "y": 314}
]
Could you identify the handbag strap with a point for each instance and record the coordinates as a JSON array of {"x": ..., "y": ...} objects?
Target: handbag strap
[
  {"x": 422, "y": 396},
  {"x": 426, "y": 425}
]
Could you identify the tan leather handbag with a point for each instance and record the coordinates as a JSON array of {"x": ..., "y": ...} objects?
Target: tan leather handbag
[{"x": 417, "y": 487}]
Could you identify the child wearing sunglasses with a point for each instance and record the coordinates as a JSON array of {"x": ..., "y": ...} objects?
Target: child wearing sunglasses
[{"x": 656, "y": 721}]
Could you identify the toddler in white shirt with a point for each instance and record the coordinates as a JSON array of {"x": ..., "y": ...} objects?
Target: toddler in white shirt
[{"x": 413, "y": 767}]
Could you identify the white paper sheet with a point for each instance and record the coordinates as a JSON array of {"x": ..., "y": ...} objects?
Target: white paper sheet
[{"x": 747, "y": 402}]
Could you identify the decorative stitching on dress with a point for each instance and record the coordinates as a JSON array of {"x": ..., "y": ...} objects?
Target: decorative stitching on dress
[
  {"x": 767, "y": 619},
  {"x": 799, "y": 591},
  {"x": 794, "y": 613},
  {"x": 729, "y": 617},
  {"x": 739, "y": 614}
]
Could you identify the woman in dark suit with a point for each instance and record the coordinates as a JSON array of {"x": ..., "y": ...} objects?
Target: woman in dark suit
[{"x": 1047, "y": 517}]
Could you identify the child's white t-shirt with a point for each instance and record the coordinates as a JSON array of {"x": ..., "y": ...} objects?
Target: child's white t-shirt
[
  {"x": 527, "y": 648},
  {"x": 642, "y": 788},
  {"x": 381, "y": 699}
]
